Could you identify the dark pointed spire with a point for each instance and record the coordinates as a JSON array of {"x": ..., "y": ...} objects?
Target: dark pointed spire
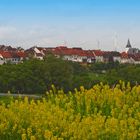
[{"x": 128, "y": 44}]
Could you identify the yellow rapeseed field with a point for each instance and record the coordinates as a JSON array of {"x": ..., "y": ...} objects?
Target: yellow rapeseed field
[{"x": 100, "y": 113}]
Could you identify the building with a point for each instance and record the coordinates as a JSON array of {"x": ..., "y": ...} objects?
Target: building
[
  {"x": 130, "y": 50},
  {"x": 128, "y": 46},
  {"x": 35, "y": 52},
  {"x": 131, "y": 55},
  {"x": 12, "y": 57},
  {"x": 98, "y": 55},
  {"x": 74, "y": 54}
]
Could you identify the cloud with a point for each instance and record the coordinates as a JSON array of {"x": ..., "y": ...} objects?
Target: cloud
[
  {"x": 74, "y": 36},
  {"x": 26, "y": 37},
  {"x": 7, "y": 32}
]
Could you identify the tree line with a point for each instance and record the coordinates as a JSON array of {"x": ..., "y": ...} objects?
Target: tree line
[{"x": 36, "y": 76}]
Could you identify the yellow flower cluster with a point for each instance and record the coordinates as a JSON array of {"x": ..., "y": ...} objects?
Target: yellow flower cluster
[{"x": 100, "y": 113}]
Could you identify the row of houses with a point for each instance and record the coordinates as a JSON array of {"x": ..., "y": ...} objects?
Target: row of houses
[
  {"x": 70, "y": 54},
  {"x": 12, "y": 55},
  {"x": 17, "y": 55},
  {"x": 85, "y": 56}
]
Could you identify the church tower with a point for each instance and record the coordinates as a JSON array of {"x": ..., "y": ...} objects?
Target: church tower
[{"x": 128, "y": 46}]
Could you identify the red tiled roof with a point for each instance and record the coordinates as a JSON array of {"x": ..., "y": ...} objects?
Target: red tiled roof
[
  {"x": 98, "y": 52},
  {"x": 90, "y": 53},
  {"x": 21, "y": 54},
  {"x": 6, "y": 54},
  {"x": 124, "y": 55},
  {"x": 14, "y": 55},
  {"x": 136, "y": 57},
  {"x": 72, "y": 51},
  {"x": 61, "y": 47}
]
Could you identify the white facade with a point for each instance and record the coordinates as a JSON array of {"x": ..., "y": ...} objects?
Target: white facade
[
  {"x": 38, "y": 56},
  {"x": 36, "y": 50},
  {"x": 124, "y": 60},
  {"x": 137, "y": 62},
  {"x": 1, "y": 60},
  {"x": 74, "y": 58},
  {"x": 99, "y": 58},
  {"x": 117, "y": 59},
  {"x": 91, "y": 60},
  {"x": 126, "y": 50}
]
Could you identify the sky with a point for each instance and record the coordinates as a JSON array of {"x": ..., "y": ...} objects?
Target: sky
[{"x": 90, "y": 24}]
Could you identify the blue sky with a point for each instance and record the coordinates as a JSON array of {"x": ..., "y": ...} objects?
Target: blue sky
[{"x": 79, "y": 23}]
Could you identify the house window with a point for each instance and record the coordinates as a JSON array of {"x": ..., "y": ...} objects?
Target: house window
[{"x": 84, "y": 60}]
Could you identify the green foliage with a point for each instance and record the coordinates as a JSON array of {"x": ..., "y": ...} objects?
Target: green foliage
[
  {"x": 36, "y": 76},
  {"x": 100, "y": 67},
  {"x": 111, "y": 73},
  {"x": 58, "y": 72},
  {"x": 126, "y": 73}
]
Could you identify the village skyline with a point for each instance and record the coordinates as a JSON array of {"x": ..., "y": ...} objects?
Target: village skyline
[
  {"x": 89, "y": 24},
  {"x": 97, "y": 46},
  {"x": 75, "y": 54}
]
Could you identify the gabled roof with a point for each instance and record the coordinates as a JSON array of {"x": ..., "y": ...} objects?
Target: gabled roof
[
  {"x": 115, "y": 54},
  {"x": 61, "y": 47},
  {"x": 14, "y": 55},
  {"x": 41, "y": 48},
  {"x": 98, "y": 52},
  {"x": 39, "y": 54},
  {"x": 6, "y": 54},
  {"x": 128, "y": 44},
  {"x": 107, "y": 54},
  {"x": 7, "y": 48},
  {"x": 89, "y": 53},
  {"x": 124, "y": 55},
  {"x": 136, "y": 57},
  {"x": 21, "y": 54},
  {"x": 62, "y": 50}
]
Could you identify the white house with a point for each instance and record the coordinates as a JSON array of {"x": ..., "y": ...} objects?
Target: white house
[
  {"x": 98, "y": 55},
  {"x": 11, "y": 57}
]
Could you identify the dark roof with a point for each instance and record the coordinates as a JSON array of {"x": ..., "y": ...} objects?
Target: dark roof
[
  {"x": 21, "y": 54},
  {"x": 115, "y": 53},
  {"x": 128, "y": 44},
  {"x": 111, "y": 54},
  {"x": 39, "y": 54},
  {"x": 77, "y": 48}
]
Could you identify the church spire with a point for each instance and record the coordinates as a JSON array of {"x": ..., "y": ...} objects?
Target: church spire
[{"x": 128, "y": 44}]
